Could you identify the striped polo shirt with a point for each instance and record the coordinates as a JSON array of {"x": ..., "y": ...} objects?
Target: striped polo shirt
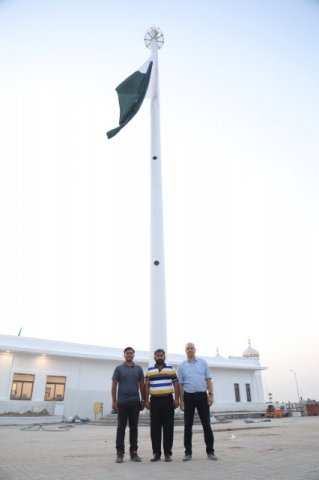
[{"x": 161, "y": 381}]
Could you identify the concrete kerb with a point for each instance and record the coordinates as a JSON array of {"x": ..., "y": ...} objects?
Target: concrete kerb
[{"x": 21, "y": 420}]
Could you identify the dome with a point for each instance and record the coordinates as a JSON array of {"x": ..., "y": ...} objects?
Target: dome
[
  {"x": 218, "y": 354},
  {"x": 250, "y": 352}
]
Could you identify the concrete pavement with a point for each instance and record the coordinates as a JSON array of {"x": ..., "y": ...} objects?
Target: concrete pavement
[{"x": 279, "y": 450}]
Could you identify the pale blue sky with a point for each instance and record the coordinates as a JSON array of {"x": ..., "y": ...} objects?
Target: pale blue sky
[{"x": 239, "y": 109}]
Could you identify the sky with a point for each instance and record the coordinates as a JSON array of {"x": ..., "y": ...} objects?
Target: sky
[{"x": 239, "y": 127}]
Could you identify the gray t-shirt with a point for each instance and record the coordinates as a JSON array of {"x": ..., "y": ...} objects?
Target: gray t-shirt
[{"x": 128, "y": 378}]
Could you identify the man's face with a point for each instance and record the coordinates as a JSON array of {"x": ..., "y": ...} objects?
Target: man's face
[
  {"x": 129, "y": 356},
  {"x": 159, "y": 358},
  {"x": 190, "y": 350}
]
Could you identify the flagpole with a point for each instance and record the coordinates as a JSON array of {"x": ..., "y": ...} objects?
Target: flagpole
[{"x": 158, "y": 330}]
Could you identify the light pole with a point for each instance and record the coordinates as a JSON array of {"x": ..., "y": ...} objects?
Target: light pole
[{"x": 296, "y": 384}]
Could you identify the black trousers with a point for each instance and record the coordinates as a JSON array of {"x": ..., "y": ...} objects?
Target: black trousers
[
  {"x": 127, "y": 412},
  {"x": 199, "y": 401},
  {"x": 162, "y": 418}
]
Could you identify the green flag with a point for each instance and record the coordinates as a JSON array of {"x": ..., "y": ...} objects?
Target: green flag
[{"x": 131, "y": 93}]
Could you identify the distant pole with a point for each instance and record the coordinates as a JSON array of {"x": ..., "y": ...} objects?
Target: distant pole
[
  {"x": 296, "y": 384},
  {"x": 158, "y": 332}
]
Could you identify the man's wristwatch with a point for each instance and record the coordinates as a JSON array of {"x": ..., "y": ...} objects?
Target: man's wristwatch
[{"x": 210, "y": 394}]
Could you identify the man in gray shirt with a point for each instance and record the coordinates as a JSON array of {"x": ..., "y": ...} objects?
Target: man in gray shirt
[
  {"x": 196, "y": 392},
  {"x": 128, "y": 400}
]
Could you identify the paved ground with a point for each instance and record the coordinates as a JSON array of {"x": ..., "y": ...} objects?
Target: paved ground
[{"x": 280, "y": 450}]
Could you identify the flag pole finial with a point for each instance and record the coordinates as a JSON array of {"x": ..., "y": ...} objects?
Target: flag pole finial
[{"x": 154, "y": 38}]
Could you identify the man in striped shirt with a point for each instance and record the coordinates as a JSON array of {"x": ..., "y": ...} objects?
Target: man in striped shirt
[{"x": 160, "y": 384}]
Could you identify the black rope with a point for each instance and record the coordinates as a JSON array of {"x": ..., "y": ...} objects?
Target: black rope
[{"x": 39, "y": 426}]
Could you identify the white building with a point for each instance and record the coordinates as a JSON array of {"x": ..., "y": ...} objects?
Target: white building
[{"x": 68, "y": 378}]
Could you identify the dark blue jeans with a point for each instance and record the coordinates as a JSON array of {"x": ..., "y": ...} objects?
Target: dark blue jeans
[
  {"x": 197, "y": 401},
  {"x": 127, "y": 412}
]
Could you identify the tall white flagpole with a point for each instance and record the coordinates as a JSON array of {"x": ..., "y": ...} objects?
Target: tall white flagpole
[{"x": 158, "y": 331}]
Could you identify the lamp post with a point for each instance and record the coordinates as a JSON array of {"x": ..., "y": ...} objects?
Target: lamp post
[{"x": 295, "y": 375}]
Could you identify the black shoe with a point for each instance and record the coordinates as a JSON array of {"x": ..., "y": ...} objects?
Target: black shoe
[
  {"x": 156, "y": 458},
  {"x": 135, "y": 457},
  {"x": 119, "y": 458},
  {"x": 212, "y": 456},
  {"x": 187, "y": 457},
  {"x": 168, "y": 458}
]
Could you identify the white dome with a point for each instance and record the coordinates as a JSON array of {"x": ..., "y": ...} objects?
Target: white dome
[
  {"x": 218, "y": 355},
  {"x": 250, "y": 352}
]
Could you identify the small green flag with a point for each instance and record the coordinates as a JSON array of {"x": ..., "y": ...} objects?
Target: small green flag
[{"x": 131, "y": 93}]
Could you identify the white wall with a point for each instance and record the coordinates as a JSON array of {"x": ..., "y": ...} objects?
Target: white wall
[
  {"x": 89, "y": 380},
  {"x": 224, "y": 380},
  {"x": 5, "y": 375}
]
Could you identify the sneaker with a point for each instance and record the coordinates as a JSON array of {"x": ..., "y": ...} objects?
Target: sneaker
[
  {"x": 187, "y": 457},
  {"x": 168, "y": 458},
  {"x": 135, "y": 457},
  {"x": 212, "y": 456},
  {"x": 156, "y": 458},
  {"x": 119, "y": 458}
]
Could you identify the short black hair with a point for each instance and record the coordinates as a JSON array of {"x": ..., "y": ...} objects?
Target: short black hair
[
  {"x": 129, "y": 348},
  {"x": 159, "y": 350}
]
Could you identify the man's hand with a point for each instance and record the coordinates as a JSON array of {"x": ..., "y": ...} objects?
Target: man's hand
[
  {"x": 147, "y": 404},
  {"x": 176, "y": 403},
  {"x": 181, "y": 405},
  {"x": 114, "y": 405}
]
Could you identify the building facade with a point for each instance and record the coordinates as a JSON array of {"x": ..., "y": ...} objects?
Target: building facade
[{"x": 69, "y": 379}]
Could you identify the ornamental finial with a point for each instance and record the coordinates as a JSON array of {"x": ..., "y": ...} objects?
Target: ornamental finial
[{"x": 154, "y": 37}]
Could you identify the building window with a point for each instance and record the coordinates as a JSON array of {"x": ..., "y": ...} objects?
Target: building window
[
  {"x": 22, "y": 386},
  {"x": 248, "y": 392},
  {"x": 237, "y": 392},
  {"x": 54, "y": 388}
]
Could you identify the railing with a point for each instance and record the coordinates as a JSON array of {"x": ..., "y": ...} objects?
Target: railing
[{"x": 304, "y": 407}]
